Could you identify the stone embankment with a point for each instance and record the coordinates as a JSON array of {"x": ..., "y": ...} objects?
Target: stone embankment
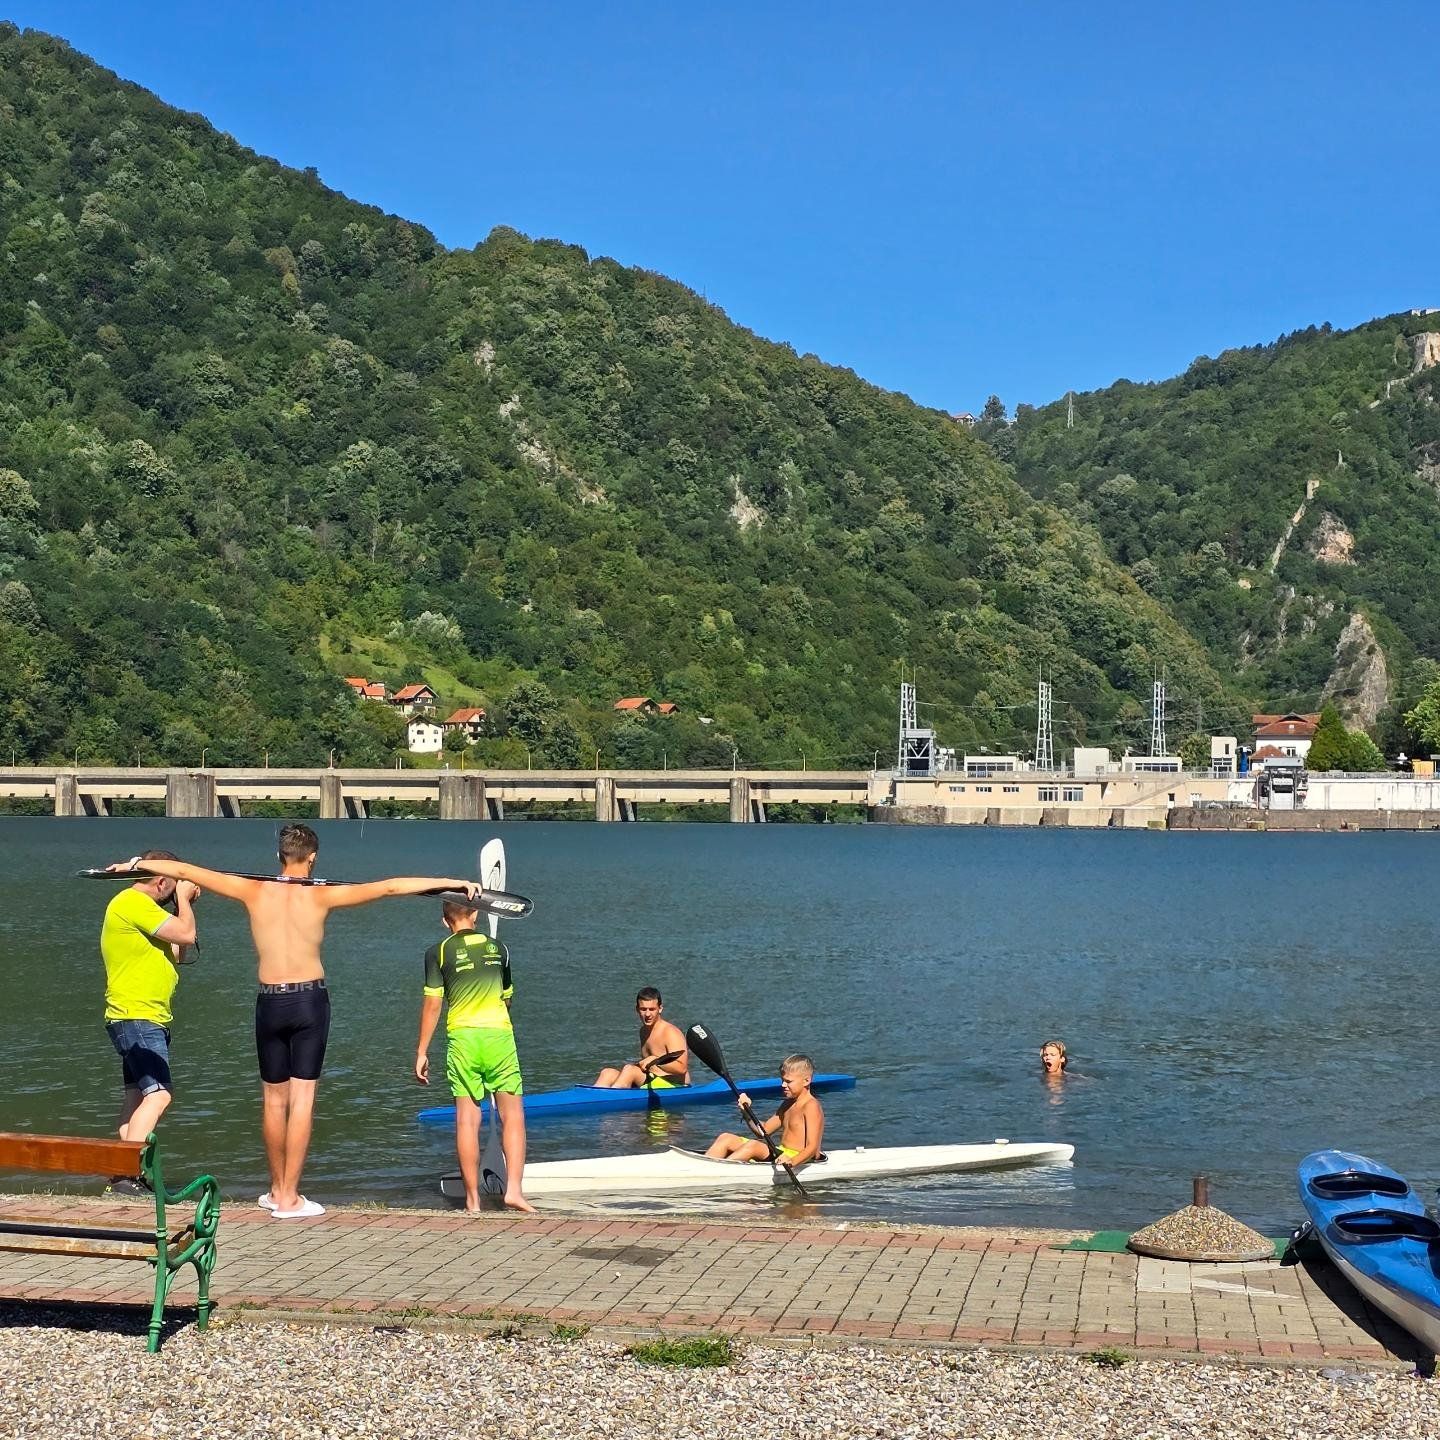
[{"x": 1290, "y": 821}]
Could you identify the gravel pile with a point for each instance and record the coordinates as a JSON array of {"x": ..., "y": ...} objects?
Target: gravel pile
[
  {"x": 1201, "y": 1232},
  {"x": 315, "y": 1382}
]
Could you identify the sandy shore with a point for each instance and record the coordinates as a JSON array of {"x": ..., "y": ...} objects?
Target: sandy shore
[{"x": 351, "y": 1382}]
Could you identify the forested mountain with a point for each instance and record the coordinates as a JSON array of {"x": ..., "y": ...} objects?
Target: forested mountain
[
  {"x": 1196, "y": 484},
  {"x": 255, "y": 436}
]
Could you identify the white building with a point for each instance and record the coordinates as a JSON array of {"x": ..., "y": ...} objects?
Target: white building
[{"x": 423, "y": 736}]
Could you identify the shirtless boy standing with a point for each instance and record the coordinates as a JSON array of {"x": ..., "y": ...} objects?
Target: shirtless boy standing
[
  {"x": 292, "y": 1010},
  {"x": 658, "y": 1037},
  {"x": 800, "y": 1121}
]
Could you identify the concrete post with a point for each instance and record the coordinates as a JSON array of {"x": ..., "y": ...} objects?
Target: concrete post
[
  {"x": 332, "y": 795},
  {"x": 462, "y": 797},
  {"x": 94, "y": 805},
  {"x": 740, "y": 800},
  {"x": 605, "y": 807},
  {"x": 67, "y": 795},
  {"x": 190, "y": 795},
  {"x": 355, "y": 808},
  {"x": 495, "y": 806},
  {"x": 626, "y": 809}
]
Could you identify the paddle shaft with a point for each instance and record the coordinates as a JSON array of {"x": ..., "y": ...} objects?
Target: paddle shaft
[{"x": 491, "y": 902}]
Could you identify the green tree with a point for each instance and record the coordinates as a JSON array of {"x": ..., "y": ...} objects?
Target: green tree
[
  {"x": 1330, "y": 749},
  {"x": 1195, "y": 751},
  {"x": 1363, "y": 754},
  {"x": 1423, "y": 722}
]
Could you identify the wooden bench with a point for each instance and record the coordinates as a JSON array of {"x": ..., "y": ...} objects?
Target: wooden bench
[{"x": 165, "y": 1245}]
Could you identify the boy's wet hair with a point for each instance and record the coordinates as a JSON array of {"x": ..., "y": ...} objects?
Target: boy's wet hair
[
  {"x": 797, "y": 1062},
  {"x": 649, "y": 992},
  {"x": 298, "y": 842},
  {"x": 453, "y": 910}
]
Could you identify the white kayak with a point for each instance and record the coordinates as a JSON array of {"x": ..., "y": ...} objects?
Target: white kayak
[{"x": 662, "y": 1171}]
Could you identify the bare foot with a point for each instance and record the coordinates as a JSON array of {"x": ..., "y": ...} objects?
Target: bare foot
[
  {"x": 518, "y": 1202},
  {"x": 473, "y": 1210}
]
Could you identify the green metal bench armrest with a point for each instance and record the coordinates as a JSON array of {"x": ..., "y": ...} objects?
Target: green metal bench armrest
[{"x": 207, "y": 1204}]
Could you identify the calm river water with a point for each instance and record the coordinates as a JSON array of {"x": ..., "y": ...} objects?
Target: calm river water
[{"x": 1230, "y": 1002}]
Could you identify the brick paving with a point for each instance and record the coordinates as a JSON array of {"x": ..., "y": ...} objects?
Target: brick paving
[{"x": 918, "y": 1286}]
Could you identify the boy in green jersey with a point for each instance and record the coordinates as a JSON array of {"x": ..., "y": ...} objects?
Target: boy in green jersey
[{"x": 469, "y": 972}]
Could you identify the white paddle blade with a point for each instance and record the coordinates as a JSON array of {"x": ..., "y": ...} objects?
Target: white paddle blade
[{"x": 492, "y": 875}]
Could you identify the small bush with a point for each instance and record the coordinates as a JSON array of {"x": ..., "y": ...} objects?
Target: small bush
[
  {"x": 1110, "y": 1358},
  {"x": 694, "y": 1352}
]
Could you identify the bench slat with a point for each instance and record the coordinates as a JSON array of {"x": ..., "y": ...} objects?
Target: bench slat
[
  {"x": 69, "y": 1155},
  {"x": 50, "y": 1239}
]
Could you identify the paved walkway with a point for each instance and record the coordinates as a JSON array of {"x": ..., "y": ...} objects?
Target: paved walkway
[{"x": 785, "y": 1280}]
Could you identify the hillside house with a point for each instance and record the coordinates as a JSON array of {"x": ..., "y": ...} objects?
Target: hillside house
[
  {"x": 366, "y": 689},
  {"x": 966, "y": 419},
  {"x": 470, "y": 722},
  {"x": 636, "y": 705},
  {"x": 1288, "y": 734},
  {"x": 668, "y": 707},
  {"x": 415, "y": 700},
  {"x": 424, "y": 736}
]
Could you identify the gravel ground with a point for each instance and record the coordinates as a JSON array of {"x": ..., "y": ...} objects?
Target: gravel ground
[{"x": 317, "y": 1382}]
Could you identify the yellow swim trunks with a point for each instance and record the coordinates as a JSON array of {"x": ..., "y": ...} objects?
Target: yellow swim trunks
[{"x": 661, "y": 1082}]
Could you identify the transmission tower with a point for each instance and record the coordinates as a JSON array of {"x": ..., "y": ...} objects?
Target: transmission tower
[
  {"x": 1070, "y": 411},
  {"x": 1157, "y": 719},
  {"x": 916, "y": 753},
  {"x": 1044, "y": 729}
]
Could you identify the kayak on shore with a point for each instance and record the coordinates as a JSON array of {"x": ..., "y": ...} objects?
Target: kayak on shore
[
  {"x": 668, "y": 1171},
  {"x": 599, "y": 1099},
  {"x": 1373, "y": 1225}
]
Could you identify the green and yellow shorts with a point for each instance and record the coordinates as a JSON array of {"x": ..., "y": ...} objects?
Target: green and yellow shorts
[
  {"x": 481, "y": 1061},
  {"x": 664, "y": 1082}
]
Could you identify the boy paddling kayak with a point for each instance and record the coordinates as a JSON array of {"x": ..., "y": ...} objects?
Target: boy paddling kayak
[{"x": 800, "y": 1121}]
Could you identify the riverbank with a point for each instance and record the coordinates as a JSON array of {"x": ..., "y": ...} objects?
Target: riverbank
[{"x": 817, "y": 1284}]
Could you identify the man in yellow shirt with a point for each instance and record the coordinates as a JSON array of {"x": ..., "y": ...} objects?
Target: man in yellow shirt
[{"x": 141, "y": 944}]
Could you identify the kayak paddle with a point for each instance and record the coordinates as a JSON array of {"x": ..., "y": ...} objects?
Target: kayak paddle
[
  {"x": 493, "y": 1173},
  {"x": 492, "y": 902},
  {"x": 707, "y": 1047}
]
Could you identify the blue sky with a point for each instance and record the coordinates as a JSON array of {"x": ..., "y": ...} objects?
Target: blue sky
[{"x": 951, "y": 199}]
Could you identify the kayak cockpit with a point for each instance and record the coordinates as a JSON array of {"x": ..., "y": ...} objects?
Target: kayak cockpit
[
  {"x": 1351, "y": 1184},
  {"x": 1362, "y": 1226}
]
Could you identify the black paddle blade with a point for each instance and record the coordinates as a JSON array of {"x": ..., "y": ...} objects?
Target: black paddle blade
[{"x": 707, "y": 1047}]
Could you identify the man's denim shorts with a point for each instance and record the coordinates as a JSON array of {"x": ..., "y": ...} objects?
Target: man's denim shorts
[{"x": 144, "y": 1049}]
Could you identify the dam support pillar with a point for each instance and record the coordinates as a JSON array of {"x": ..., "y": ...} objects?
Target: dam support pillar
[
  {"x": 494, "y": 807},
  {"x": 462, "y": 797},
  {"x": 740, "y": 800},
  {"x": 627, "y": 810},
  {"x": 67, "y": 795},
  {"x": 190, "y": 795},
  {"x": 332, "y": 795},
  {"x": 606, "y": 807}
]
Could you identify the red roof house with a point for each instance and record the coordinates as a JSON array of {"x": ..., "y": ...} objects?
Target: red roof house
[
  {"x": 471, "y": 720},
  {"x": 637, "y": 705},
  {"x": 413, "y": 698},
  {"x": 668, "y": 707}
]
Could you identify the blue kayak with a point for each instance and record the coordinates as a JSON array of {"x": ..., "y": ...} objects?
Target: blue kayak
[
  {"x": 598, "y": 1100},
  {"x": 1374, "y": 1227}
]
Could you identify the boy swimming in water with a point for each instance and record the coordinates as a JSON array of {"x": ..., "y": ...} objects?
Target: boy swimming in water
[{"x": 800, "y": 1121}]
